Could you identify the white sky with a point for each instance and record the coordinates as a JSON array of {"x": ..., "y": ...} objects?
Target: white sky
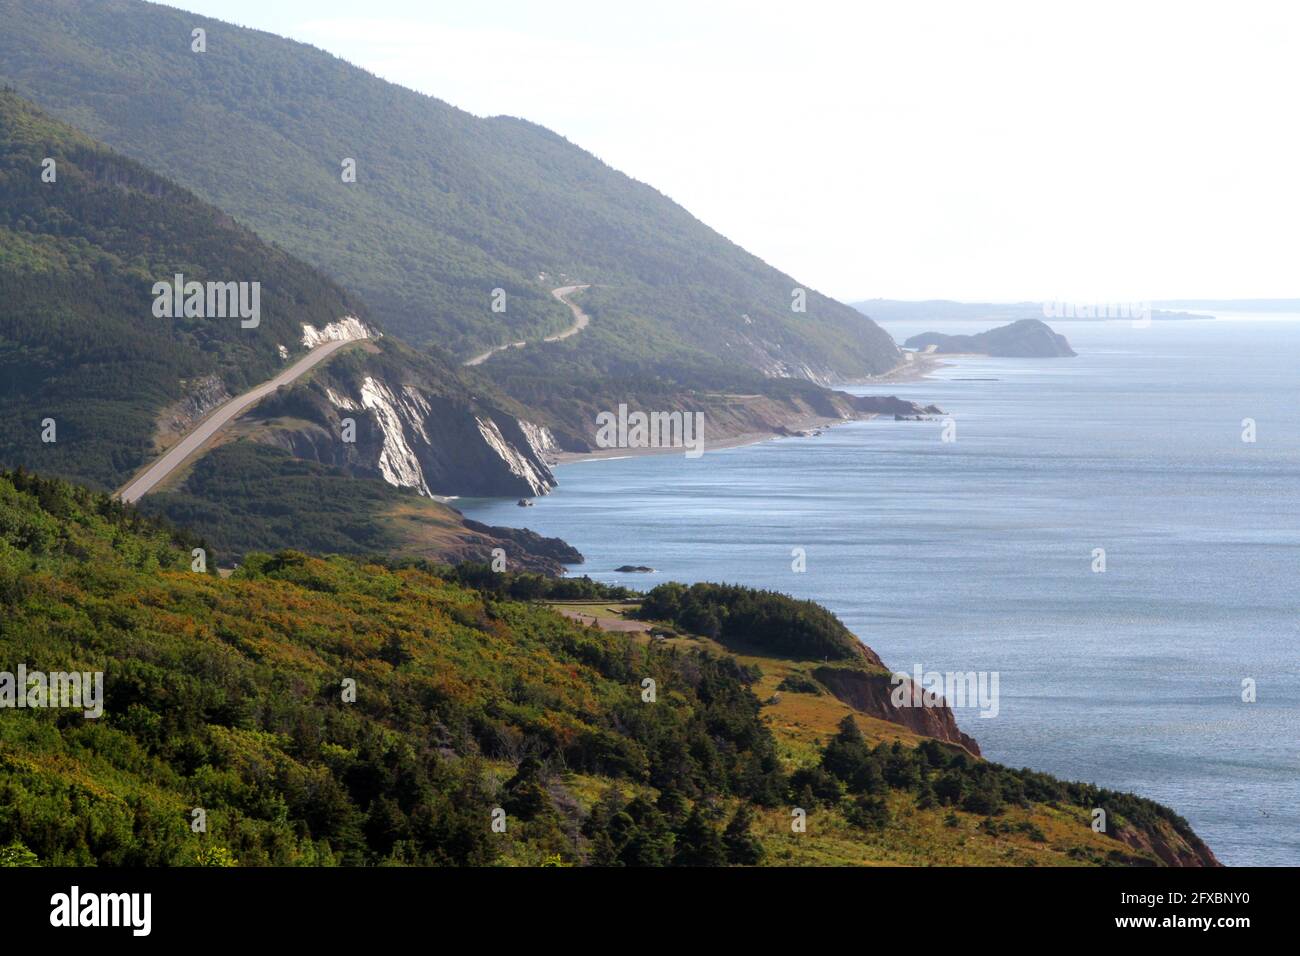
[{"x": 1092, "y": 151}]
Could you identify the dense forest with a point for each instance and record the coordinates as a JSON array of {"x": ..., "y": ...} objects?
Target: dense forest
[{"x": 334, "y": 711}]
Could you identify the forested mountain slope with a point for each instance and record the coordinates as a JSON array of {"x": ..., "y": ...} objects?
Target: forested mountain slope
[
  {"x": 446, "y": 207},
  {"x": 80, "y": 342},
  {"x": 94, "y": 384}
]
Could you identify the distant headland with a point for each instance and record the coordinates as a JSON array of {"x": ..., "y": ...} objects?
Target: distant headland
[{"x": 1028, "y": 338}]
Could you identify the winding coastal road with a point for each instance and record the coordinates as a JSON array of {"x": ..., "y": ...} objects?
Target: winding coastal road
[
  {"x": 143, "y": 483},
  {"x": 222, "y": 415},
  {"x": 580, "y": 321}
]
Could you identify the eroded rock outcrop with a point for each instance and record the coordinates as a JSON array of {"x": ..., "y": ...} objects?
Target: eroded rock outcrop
[
  {"x": 409, "y": 427},
  {"x": 1169, "y": 845},
  {"x": 549, "y": 554},
  {"x": 900, "y": 408},
  {"x": 872, "y": 693}
]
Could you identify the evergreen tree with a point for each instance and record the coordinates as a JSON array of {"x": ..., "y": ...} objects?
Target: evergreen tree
[
  {"x": 743, "y": 848},
  {"x": 698, "y": 843},
  {"x": 868, "y": 812}
]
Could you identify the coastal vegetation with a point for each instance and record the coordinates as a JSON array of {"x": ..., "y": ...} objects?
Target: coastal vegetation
[{"x": 325, "y": 711}]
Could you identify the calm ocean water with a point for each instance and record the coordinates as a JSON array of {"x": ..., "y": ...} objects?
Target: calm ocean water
[{"x": 977, "y": 554}]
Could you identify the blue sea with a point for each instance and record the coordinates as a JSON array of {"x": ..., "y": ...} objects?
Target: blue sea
[{"x": 979, "y": 554}]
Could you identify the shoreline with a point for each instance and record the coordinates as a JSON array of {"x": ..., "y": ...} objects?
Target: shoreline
[
  {"x": 794, "y": 426},
  {"x": 916, "y": 370}
]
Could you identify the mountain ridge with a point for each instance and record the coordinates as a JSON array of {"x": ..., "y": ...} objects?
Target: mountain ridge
[{"x": 456, "y": 206}]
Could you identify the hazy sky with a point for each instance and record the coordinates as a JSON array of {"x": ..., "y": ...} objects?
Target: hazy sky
[{"x": 1088, "y": 151}]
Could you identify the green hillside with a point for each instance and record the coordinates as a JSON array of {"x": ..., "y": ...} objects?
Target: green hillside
[
  {"x": 446, "y": 206},
  {"x": 79, "y": 339},
  {"x": 230, "y": 696}
]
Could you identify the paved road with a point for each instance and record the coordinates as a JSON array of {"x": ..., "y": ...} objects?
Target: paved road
[
  {"x": 580, "y": 321},
  {"x": 580, "y": 318},
  {"x": 142, "y": 484}
]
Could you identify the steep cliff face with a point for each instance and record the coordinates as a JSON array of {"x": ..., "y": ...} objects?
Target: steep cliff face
[
  {"x": 387, "y": 413},
  {"x": 872, "y": 694},
  {"x": 527, "y": 550},
  {"x": 1172, "y": 847},
  {"x": 347, "y": 329}
]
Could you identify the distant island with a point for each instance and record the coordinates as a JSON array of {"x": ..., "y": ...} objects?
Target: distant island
[
  {"x": 1229, "y": 305},
  {"x": 1028, "y": 338}
]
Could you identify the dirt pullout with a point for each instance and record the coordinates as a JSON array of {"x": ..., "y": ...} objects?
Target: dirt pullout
[{"x": 608, "y": 621}]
